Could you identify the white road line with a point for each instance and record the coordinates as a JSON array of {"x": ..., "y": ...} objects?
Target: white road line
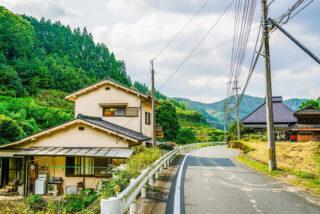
[{"x": 176, "y": 204}]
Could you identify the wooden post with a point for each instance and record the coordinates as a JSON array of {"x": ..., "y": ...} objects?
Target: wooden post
[
  {"x": 84, "y": 172},
  {"x": 26, "y": 177}
]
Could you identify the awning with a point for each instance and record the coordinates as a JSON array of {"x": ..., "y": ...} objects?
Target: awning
[
  {"x": 70, "y": 151},
  {"x": 7, "y": 153}
]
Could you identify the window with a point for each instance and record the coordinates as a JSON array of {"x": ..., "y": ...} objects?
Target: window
[
  {"x": 148, "y": 118},
  {"x": 132, "y": 112},
  {"x": 113, "y": 111},
  {"x": 120, "y": 111},
  {"x": 76, "y": 166},
  {"x": 16, "y": 169}
]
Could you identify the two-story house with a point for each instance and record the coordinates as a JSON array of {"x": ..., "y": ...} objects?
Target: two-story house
[{"x": 109, "y": 119}]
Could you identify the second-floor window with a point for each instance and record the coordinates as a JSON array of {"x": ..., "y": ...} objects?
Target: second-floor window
[
  {"x": 148, "y": 118},
  {"x": 120, "y": 112}
]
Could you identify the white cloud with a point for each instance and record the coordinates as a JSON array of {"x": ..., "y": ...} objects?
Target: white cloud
[
  {"x": 135, "y": 30},
  {"x": 50, "y": 9}
]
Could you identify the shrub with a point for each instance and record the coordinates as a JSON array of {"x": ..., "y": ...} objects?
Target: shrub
[
  {"x": 185, "y": 136},
  {"x": 142, "y": 158},
  {"x": 167, "y": 146},
  {"x": 9, "y": 130}
]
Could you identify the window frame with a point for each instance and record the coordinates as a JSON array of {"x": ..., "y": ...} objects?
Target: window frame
[
  {"x": 79, "y": 162},
  {"x": 147, "y": 118},
  {"x": 122, "y": 115}
]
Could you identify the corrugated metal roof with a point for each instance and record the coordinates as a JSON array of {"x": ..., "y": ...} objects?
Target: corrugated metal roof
[{"x": 68, "y": 151}]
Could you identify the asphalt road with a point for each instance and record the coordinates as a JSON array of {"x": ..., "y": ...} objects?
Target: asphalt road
[{"x": 213, "y": 182}]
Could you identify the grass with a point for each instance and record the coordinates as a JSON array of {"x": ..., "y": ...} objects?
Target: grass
[
  {"x": 306, "y": 180},
  {"x": 258, "y": 166}
]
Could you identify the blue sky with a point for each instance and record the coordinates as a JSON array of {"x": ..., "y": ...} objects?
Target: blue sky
[{"x": 135, "y": 30}]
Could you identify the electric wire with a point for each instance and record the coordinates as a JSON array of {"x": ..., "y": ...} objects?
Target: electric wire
[
  {"x": 197, "y": 45},
  {"x": 181, "y": 30}
]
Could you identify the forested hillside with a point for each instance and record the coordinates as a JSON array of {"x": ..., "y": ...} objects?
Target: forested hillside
[
  {"x": 213, "y": 112},
  {"x": 42, "y": 61}
]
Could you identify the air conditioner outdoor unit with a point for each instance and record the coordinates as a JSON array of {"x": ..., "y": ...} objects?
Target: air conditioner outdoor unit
[{"x": 53, "y": 189}]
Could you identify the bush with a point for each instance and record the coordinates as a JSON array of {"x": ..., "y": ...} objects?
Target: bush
[
  {"x": 142, "y": 158},
  {"x": 73, "y": 203},
  {"x": 9, "y": 130},
  {"x": 167, "y": 146},
  {"x": 185, "y": 136},
  {"x": 233, "y": 132}
]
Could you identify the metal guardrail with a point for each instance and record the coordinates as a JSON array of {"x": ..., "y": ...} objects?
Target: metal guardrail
[{"x": 121, "y": 203}]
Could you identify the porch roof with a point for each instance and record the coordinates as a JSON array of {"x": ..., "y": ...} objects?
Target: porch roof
[{"x": 74, "y": 151}]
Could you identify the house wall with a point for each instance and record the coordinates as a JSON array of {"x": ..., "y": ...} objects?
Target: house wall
[
  {"x": 304, "y": 137},
  {"x": 72, "y": 137},
  {"x": 88, "y": 104},
  {"x": 59, "y": 170}
]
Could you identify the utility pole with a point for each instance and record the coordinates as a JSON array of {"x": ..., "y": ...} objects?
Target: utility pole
[
  {"x": 237, "y": 106},
  {"x": 269, "y": 107},
  {"x": 154, "y": 138},
  {"x": 225, "y": 125}
]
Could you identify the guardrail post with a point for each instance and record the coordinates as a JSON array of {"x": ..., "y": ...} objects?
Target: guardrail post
[
  {"x": 133, "y": 208},
  {"x": 151, "y": 181},
  {"x": 156, "y": 176},
  {"x": 160, "y": 169},
  {"x": 143, "y": 192},
  {"x": 111, "y": 205}
]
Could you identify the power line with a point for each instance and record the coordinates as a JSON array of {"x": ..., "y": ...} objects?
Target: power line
[
  {"x": 244, "y": 12},
  {"x": 182, "y": 29},
  {"x": 197, "y": 45},
  {"x": 288, "y": 15}
]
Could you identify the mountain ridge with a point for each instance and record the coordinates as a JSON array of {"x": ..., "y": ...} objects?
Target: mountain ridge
[{"x": 214, "y": 113}]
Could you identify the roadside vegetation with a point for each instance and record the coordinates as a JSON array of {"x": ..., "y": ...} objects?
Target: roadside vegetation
[
  {"x": 298, "y": 163},
  {"x": 89, "y": 200}
]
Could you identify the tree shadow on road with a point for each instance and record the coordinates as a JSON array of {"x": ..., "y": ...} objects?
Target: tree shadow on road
[{"x": 202, "y": 161}]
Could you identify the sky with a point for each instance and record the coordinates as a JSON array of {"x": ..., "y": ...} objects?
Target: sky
[{"x": 136, "y": 30}]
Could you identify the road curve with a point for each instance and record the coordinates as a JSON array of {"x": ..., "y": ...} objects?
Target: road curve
[{"x": 213, "y": 182}]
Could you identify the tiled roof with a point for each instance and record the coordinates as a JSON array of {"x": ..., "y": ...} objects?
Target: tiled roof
[
  {"x": 307, "y": 110},
  {"x": 113, "y": 127},
  {"x": 305, "y": 126},
  {"x": 110, "y": 81},
  {"x": 281, "y": 114}
]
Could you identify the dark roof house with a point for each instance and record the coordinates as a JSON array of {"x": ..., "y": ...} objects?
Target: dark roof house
[{"x": 283, "y": 116}]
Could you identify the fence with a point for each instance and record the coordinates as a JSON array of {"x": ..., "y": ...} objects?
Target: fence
[{"x": 126, "y": 199}]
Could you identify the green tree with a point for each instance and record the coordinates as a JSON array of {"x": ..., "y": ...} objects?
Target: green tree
[
  {"x": 185, "y": 136},
  {"x": 10, "y": 83},
  {"x": 16, "y": 34},
  {"x": 233, "y": 131},
  {"x": 314, "y": 103},
  {"x": 9, "y": 130},
  {"x": 166, "y": 116}
]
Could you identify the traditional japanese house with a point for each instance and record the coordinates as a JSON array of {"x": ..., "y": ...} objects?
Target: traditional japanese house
[
  {"x": 109, "y": 119},
  {"x": 308, "y": 126},
  {"x": 256, "y": 122}
]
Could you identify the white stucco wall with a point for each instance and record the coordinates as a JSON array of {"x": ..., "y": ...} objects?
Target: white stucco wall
[
  {"x": 88, "y": 104},
  {"x": 72, "y": 137}
]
